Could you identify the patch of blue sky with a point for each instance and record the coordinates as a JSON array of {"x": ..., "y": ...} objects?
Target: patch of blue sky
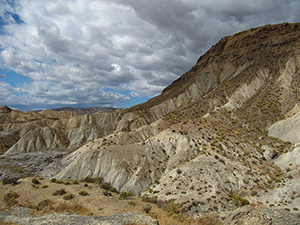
[
  {"x": 18, "y": 94},
  {"x": 38, "y": 61},
  {"x": 16, "y": 18},
  {"x": 133, "y": 101},
  {"x": 13, "y": 78},
  {"x": 130, "y": 102},
  {"x": 9, "y": 17},
  {"x": 2, "y": 23}
]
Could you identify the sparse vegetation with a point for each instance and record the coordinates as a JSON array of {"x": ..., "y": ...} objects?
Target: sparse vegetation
[
  {"x": 133, "y": 203},
  {"x": 147, "y": 208},
  {"x": 108, "y": 187},
  {"x": 35, "y": 181},
  {"x": 59, "y": 182},
  {"x": 10, "y": 198},
  {"x": 60, "y": 192},
  {"x": 147, "y": 198},
  {"x": 170, "y": 207},
  {"x": 97, "y": 180},
  {"x": 83, "y": 193},
  {"x": 10, "y": 180},
  {"x": 42, "y": 205},
  {"x": 107, "y": 193},
  {"x": 241, "y": 200},
  {"x": 16, "y": 169},
  {"x": 126, "y": 194},
  {"x": 76, "y": 208},
  {"x": 68, "y": 197},
  {"x": 253, "y": 193}
]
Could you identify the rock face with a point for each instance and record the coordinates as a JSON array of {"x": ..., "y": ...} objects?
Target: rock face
[
  {"x": 249, "y": 216},
  {"x": 224, "y": 131},
  {"x": 288, "y": 129}
]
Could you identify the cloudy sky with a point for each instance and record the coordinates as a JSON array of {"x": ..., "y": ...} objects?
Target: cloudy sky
[{"x": 118, "y": 53}]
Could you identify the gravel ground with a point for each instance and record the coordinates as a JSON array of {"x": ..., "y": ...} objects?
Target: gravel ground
[{"x": 21, "y": 215}]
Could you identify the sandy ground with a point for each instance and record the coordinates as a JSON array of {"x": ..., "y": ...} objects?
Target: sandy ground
[{"x": 96, "y": 203}]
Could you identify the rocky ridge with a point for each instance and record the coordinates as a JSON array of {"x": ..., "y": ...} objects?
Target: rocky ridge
[
  {"x": 223, "y": 132},
  {"x": 80, "y": 111}
]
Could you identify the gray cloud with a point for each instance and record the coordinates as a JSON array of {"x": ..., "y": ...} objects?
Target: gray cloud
[{"x": 88, "y": 52}]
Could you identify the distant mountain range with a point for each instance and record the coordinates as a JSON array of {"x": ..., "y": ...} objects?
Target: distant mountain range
[{"x": 80, "y": 111}]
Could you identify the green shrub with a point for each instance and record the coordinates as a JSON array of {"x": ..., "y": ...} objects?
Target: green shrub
[
  {"x": 114, "y": 190},
  {"x": 126, "y": 195},
  {"x": 97, "y": 180},
  {"x": 67, "y": 183},
  {"x": 179, "y": 171},
  {"x": 60, "y": 192},
  {"x": 68, "y": 197},
  {"x": 10, "y": 198},
  {"x": 83, "y": 193},
  {"x": 87, "y": 179},
  {"x": 160, "y": 203},
  {"x": 45, "y": 186},
  {"x": 106, "y": 193},
  {"x": 59, "y": 182},
  {"x": 107, "y": 186},
  {"x": 132, "y": 203},
  {"x": 43, "y": 204},
  {"x": 10, "y": 180},
  {"x": 53, "y": 180},
  {"x": 147, "y": 198},
  {"x": 147, "y": 208},
  {"x": 35, "y": 181},
  {"x": 253, "y": 193},
  {"x": 170, "y": 207},
  {"x": 241, "y": 200}
]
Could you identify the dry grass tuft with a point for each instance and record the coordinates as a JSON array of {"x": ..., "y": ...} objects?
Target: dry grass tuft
[
  {"x": 60, "y": 192},
  {"x": 76, "y": 208}
]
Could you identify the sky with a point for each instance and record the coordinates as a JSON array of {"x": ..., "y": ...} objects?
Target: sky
[{"x": 114, "y": 53}]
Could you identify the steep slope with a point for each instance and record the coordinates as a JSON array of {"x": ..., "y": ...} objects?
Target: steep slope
[
  {"x": 206, "y": 135},
  {"x": 31, "y": 131}
]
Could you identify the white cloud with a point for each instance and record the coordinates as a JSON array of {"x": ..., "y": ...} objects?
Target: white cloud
[{"x": 74, "y": 50}]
